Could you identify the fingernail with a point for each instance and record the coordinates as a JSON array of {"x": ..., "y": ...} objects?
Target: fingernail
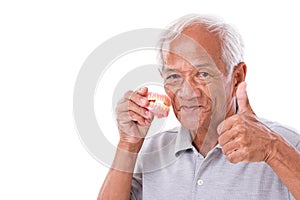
[{"x": 141, "y": 89}]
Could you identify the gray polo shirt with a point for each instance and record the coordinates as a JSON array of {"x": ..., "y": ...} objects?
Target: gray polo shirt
[{"x": 169, "y": 167}]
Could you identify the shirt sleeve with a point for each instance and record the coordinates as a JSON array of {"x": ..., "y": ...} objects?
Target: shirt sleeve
[
  {"x": 298, "y": 146},
  {"x": 136, "y": 192},
  {"x": 136, "y": 187},
  {"x": 290, "y": 134}
]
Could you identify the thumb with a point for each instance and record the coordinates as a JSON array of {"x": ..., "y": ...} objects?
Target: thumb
[{"x": 242, "y": 98}]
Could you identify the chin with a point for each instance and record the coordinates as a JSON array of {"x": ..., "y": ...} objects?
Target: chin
[
  {"x": 194, "y": 123},
  {"x": 190, "y": 126}
]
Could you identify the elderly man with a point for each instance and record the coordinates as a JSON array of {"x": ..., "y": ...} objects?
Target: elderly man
[{"x": 222, "y": 150}]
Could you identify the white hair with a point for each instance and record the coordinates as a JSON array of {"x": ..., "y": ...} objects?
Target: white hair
[{"x": 232, "y": 46}]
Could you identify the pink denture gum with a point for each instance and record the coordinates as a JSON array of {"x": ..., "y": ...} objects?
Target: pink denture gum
[{"x": 159, "y": 104}]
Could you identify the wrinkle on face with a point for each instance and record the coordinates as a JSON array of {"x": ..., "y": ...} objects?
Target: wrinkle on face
[{"x": 195, "y": 50}]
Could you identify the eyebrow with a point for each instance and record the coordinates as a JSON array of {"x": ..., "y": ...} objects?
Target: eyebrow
[
  {"x": 203, "y": 65},
  {"x": 164, "y": 70}
]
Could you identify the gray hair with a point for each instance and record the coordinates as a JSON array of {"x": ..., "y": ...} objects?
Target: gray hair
[{"x": 232, "y": 46}]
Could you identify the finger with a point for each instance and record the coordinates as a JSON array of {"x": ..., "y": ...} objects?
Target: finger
[
  {"x": 125, "y": 118},
  {"x": 139, "y": 97},
  {"x": 132, "y": 106},
  {"x": 143, "y": 91},
  {"x": 137, "y": 118},
  {"x": 230, "y": 135},
  {"x": 239, "y": 155},
  {"x": 242, "y": 99},
  {"x": 227, "y": 124},
  {"x": 231, "y": 146},
  {"x": 236, "y": 156}
]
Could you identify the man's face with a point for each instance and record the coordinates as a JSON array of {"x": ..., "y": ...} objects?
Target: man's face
[{"x": 196, "y": 80}]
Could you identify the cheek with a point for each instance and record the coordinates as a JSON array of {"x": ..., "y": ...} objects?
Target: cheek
[
  {"x": 218, "y": 96},
  {"x": 171, "y": 94},
  {"x": 168, "y": 91}
]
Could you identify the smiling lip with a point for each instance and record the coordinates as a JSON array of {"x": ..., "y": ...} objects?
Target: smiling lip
[{"x": 190, "y": 108}]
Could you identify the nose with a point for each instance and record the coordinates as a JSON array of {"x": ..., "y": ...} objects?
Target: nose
[{"x": 188, "y": 90}]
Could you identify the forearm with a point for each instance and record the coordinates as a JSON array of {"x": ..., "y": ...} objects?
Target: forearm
[
  {"x": 117, "y": 184},
  {"x": 285, "y": 163}
]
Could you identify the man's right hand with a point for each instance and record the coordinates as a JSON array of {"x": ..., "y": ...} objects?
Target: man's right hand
[{"x": 134, "y": 119}]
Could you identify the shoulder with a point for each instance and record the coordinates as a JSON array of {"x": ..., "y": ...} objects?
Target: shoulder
[
  {"x": 160, "y": 140},
  {"x": 288, "y": 133},
  {"x": 157, "y": 151}
]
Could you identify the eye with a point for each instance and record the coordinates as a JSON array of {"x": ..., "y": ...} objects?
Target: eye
[
  {"x": 173, "y": 76},
  {"x": 203, "y": 74}
]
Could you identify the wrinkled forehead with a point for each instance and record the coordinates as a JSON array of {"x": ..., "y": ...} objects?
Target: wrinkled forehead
[
  {"x": 184, "y": 54},
  {"x": 194, "y": 47},
  {"x": 184, "y": 49}
]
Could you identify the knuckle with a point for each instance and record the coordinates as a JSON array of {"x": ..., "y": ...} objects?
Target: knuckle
[
  {"x": 240, "y": 119},
  {"x": 224, "y": 151},
  {"x": 242, "y": 142},
  {"x": 121, "y": 119},
  {"x": 132, "y": 115},
  {"x": 245, "y": 151},
  {"x": 240, "y": 126},
  {"x": 241, "y": 137},
  {"x": 240, "y": 130},
  {"x": 119, "y": 103},
  {"x": 221, "y": 141},
  {"x": 129, "y": 105},
  {"x": 128, "y": 94},
  {"x": 142, "y": 110},
  {"x": 118, "y": 108},
  {"x": 230, "y": 158},
  {"x": 243, "y": 128},
  {"x": 236, "y": 118}
]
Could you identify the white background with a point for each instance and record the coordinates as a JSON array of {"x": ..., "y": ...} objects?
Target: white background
[{"x": 43, "y": 45}]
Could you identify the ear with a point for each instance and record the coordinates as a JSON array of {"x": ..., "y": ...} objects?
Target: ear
[{"x": 238, "y": 75}]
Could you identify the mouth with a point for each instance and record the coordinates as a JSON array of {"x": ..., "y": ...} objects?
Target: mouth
[{"x": 190, "y": 108}]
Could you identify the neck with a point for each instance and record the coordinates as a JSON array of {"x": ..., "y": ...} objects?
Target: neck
[
  {"x": 204, "y": 142},
  {"x": 205, "y": 139}
]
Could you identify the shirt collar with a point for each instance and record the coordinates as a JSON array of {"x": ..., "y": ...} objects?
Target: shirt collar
[{"x": 184, "y": 141}]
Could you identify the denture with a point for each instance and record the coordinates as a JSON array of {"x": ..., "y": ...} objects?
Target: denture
[{"x": 159, "y": 104}]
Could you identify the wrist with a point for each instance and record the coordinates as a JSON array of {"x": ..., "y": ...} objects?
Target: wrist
[
  {"x": 130, "y": 146},
  {"x": 278, "y": 149},
  {"x": 125, "y": 157}
]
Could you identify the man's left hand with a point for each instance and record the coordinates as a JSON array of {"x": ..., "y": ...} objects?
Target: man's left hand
[{"x": 242, "y": 136}]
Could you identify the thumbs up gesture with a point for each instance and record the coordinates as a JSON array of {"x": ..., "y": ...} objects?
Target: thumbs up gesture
[{"x": 242, "y": 136}]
